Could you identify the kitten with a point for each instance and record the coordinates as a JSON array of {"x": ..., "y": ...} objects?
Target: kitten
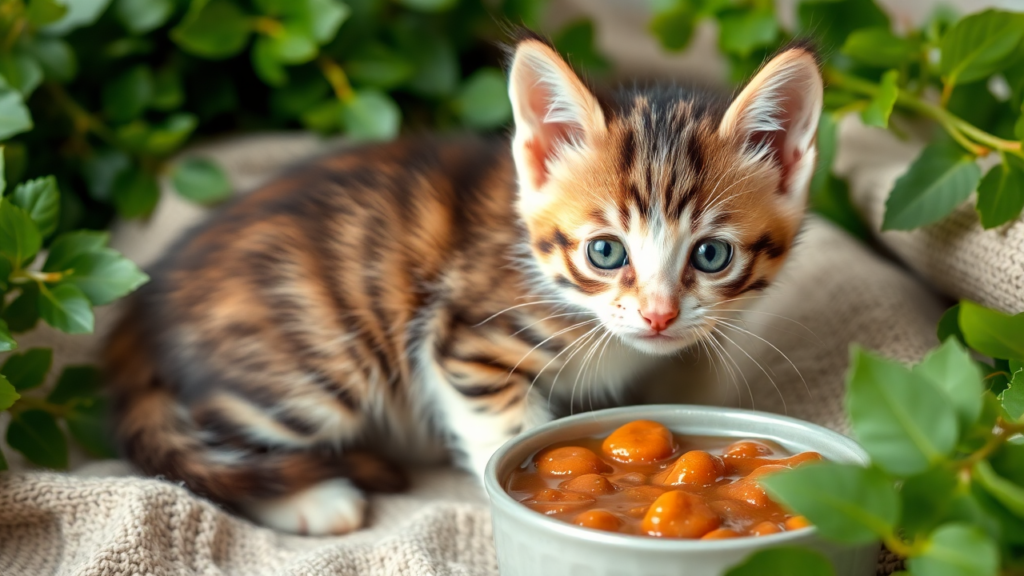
[{"x": 429, "y": 292}]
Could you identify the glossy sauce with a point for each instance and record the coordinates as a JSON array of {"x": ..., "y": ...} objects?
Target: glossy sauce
[{"x": 642, "y": 479}]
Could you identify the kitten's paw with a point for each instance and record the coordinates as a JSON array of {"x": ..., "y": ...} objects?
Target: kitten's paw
[{"x": 330, "y": 507}]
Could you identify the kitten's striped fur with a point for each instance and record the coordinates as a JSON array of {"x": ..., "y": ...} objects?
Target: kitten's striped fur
[{"x": 401, "y": 297}]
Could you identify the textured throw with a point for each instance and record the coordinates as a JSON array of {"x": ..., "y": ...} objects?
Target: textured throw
[{"x": 98, "y": 521}]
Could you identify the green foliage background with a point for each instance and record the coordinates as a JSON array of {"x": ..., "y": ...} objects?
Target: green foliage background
[{"x": 98, "y": 96}]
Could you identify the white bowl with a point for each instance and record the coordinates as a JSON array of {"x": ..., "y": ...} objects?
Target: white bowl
[{"x": 531, "y": 544}]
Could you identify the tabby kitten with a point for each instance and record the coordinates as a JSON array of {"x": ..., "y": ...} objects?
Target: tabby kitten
[{"x": 427, "y": 293}]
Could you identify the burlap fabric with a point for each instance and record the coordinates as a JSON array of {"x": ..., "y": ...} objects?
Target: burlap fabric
[{"x": 98, "y": 521}]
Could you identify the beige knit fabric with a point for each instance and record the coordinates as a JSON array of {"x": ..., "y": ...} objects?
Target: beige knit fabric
[
  {"x": 99, "y": 521},
  {"x": 955, "y": 255}
]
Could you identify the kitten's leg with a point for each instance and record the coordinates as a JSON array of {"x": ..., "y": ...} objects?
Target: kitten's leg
[
  {"x": 483, "y": 407},
  {"x": 333, "y": 506}
]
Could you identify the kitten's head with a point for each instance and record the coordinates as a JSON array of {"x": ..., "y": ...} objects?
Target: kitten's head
[{"x": 655, "y": 208}]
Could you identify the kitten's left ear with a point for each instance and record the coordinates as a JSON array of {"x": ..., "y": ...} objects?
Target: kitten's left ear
[
  {"x": 776, "y": 116},
  {"x": 555, "y": 113}
]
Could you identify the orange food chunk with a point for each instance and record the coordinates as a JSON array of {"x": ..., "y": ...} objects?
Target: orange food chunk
[
  {"x": 746, "y": 449},
  {"x": 643, "y": 493},
  {"x": 765, "y": 528},
  {"x": 695, "y": 468},
  {"x": 641, "y": 441},
  {"x": 797, "y": 522},
  {"x": 679, "y": 514},
  {"x": 599, "y": 520},
  {"x": 589, "y": 484},
  {"x": 748, "y": 490},
  {"x": 720, "y": 534},
  {"x": 568, "y": 461},
  {"x": 629, "y": 479},
  {"x": 553, "y": 501}
]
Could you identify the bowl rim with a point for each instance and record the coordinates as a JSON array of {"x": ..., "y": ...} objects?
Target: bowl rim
[{"x": 501, "y": 499}]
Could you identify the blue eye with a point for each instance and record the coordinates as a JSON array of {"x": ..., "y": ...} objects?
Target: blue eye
[
  {"x": 711, "y": 256},
  {"x": 606, "y": 254}
]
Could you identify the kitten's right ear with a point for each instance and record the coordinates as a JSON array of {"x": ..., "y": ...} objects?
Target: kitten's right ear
[{"x": 555, "y": 113}]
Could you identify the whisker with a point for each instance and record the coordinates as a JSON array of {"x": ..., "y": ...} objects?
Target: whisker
[
  {"x": 780, "y": 352},
  {"x": 583, "y": 370},
  {"x": 785, "y": 409},
  {"x": 726, "y": 354},
  {"x": 496, "y": 314},
  {"x": 562, "y": 331},
  {"x": 582, "y": 340}
]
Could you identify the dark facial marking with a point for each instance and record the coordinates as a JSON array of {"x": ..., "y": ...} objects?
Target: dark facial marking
[
  {"x": 759, "y": 284},
  {"x": 628, "y": 278},
  {"x": 581, "y": 282},
  {"x": 627, "y": 154},
  {"x": 736, "y": 287},
  {"x": 545, "y": 246},
  {"x": 720, "y": 219},
  {"x": 765, "y": 245},
  {"x": 560, "y": 239}
]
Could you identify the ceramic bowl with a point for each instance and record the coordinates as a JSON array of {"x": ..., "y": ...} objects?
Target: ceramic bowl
[{"x": 531, "y": 544}]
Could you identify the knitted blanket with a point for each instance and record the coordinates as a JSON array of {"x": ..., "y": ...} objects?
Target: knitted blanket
[{"x": 101, "y": 520}]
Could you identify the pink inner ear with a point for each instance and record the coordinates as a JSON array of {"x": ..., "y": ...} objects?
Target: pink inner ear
[
  {"x": 547, "y": 136},
  {"x": 784, "y": 144}
]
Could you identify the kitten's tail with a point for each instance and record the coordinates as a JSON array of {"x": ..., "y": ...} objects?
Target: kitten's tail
[{"x": 156, "y": 433}]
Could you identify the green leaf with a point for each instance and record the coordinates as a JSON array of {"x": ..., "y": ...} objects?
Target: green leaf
[
  {"x": 43, "y": 12},
  {"x": 301, "y": 94},
  {"x": 576, "y": 42},
  {"x": 35, "y": 434},
  {"x": 22, "y": 314},
  {"x": 784, "y": 561},
  {"x": 674, "y": 26},
  {"x": 19, "y": 236},
  {"x": 832, "y": 21},
  {"x": 900, "y": 418},
  {"x": 14, "y": 116},
  {"x": 324, "y": 117},
  {"x": 75, "y": 383},
  {"x": 940, "y": 179},
  {"x": 88, "y": 425},
  {"x": 265, "y": 63},
  {"x": 991, "y": 332},
  {"x": 66, "y": 308},
  {"x": 951, "y": 369},
  {"x": 55, "y": 57},
  {"x": 292, "y": 45},
  {"x": 142, "y": 16},
  {"x": 434, "y": 59},
  {"x": 1001, "y": 192},
  {"x": 847, "y": 503},
  {"x": 1012, "y": 399},
  {"x": 826, "y": 142},
  {"x": 926, "y": 499},
  {"x": 1006, "y": 492},
  {"x": 483, "y": 101},
  {"x": 200, "y": 180},
  {"x": 7, "y": 342},
  {"x": 214, "y": 29},
  {"x": 8, "y": 395},
  {"x": 880, "y": 47},
  {"x": 28, "y": 370},
  {"x": 957, "y": 550},
  {"x": 70, "y": 245},
  {"x": 167, "y": 136},
  {"x": 978, "y": 44},
  {"x": 377, "y": 66},
  {"x": 80, "y": 13},
  {"x": 949, "y": 325},
  {"x": 41, "y": 199},
  {"x": 429, "y": 5},
  {"x": 168, "y": 93},
  {"x": 135, "y": 193},
  {"x": 741, "y": 31},
  {"x": 880, "y": 107},
  {"x": 101, "y": 169},
  {"x": 105, "y": 275},
  {"x": 127, "y": 95},
  {"x": 1008, "y": 461},
  {"x": 371, "y": 115},
  {"x": 21, "y": 72},
  {"x": 326, "y": 17}
]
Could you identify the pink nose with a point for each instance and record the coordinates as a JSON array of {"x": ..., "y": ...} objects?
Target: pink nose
[{"x": 660, "y": 319}]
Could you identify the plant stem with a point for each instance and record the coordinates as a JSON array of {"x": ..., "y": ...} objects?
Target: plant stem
[
  {"x": 337, "y": 78},
  {"x": 82, "y": 119},
  {"x": 901, "y": 548},
  {"x": 25, "y": 276},
  {"x": 29, "y": 403},
  {"x": 1006, "y": 431},
  {"x": 961, "y": 130}
]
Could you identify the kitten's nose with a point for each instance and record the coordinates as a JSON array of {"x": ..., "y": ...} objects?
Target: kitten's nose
[{"x": 659, "y": 318}]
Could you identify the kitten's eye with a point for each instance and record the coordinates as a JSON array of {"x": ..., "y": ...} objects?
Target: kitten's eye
[
  {"x": 606, "y": 254},
  {"x": 711, "y": 256}
]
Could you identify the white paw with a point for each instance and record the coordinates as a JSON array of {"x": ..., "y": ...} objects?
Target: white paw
[{"x": 330, "y": 507}]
